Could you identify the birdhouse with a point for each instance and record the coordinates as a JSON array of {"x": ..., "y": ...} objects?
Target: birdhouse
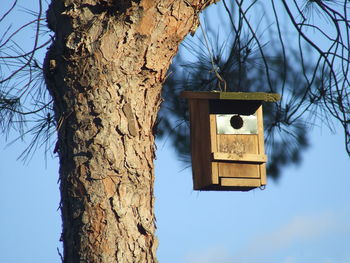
[{"x": 227, "y": 139}]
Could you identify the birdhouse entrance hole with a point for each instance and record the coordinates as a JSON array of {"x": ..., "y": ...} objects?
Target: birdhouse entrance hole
[{"x": 236, "y": 121}]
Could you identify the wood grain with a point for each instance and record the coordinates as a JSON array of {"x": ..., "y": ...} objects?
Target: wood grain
[
  {"x": 211, "y": 95},
  {"x": 240, "y": 182},
  {"x": 200, "y": 143},
  {"x": 253, "y": 158}
]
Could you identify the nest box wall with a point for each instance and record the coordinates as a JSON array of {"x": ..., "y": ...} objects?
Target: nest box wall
[{"x": 227, "y": 139}]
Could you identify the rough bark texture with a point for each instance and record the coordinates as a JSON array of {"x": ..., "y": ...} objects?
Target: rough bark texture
[{"x": 104, "y": 71}]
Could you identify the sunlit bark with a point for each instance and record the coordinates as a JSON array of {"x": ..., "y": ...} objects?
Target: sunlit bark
[{"x": 104, "y": 71}]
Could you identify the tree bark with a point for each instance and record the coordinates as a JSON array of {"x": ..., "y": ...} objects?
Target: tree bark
[{"x": 104, "y": 71}]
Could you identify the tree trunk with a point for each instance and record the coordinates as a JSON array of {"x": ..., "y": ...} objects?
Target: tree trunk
[{"x": 104, "y": 71}]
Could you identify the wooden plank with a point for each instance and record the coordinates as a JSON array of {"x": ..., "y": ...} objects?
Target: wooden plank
[
  {"x": 261, "y": 96},
  {"x": 254, "y": 158},
  {"x": 238, "y": 143},
  {"x": 263, "y": 174},
  {"x": 240, "y": 182},
  {"x": 213, "y": 95},
  {"x": 206, "y": 95},
  {"x": 214, "y": 173},
  {"x": 261, "y": 148},
  {"x": 214, "y": 147},
  {"x": 261, "y": 144},
  {"x": 238, "y": 170},
  {"x": 200, "y": 143}
]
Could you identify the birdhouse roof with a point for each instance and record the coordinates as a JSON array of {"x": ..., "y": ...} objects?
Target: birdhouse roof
[{"x": 214, "y": 95}]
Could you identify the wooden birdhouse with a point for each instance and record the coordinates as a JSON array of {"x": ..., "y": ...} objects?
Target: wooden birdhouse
[{"x": 227, "y": 139}]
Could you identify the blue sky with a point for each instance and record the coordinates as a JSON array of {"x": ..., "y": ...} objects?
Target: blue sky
[{"x": 304, "y": 217}]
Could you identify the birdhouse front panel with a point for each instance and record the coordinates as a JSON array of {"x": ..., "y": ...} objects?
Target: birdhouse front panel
[
  {"x": 227, "y": 140},
  {"x": 238, "y": 150}
]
